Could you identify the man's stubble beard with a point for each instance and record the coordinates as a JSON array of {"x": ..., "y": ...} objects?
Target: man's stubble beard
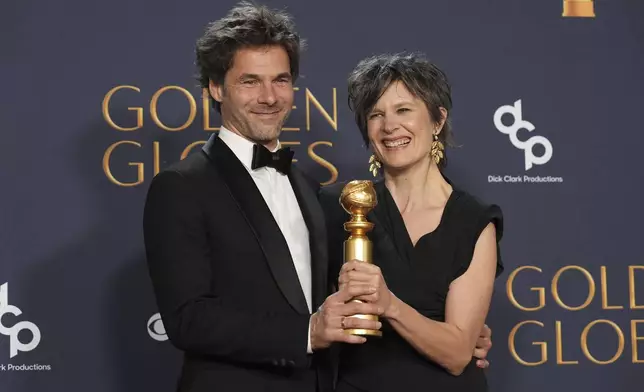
[
  {"x": 244, "y": 126},
  {"x": 274, "y": 133}
]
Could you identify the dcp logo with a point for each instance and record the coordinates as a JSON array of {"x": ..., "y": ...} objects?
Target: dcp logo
[
  {"x": 512, "y": 130},
  {"x": 15, "y": 344},
  {"x": 156, "y": 329}
]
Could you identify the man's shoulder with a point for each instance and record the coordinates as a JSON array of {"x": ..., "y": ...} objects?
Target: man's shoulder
[
  {"x": 190, "y": 169},
  {"x": 332, "y": 190},
  {"x": 193, "y": 163},
  {"x": 329, "y": 198}
]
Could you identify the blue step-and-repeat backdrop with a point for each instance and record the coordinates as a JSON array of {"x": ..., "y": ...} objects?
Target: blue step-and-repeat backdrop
[{"x": 97, "y": 97}]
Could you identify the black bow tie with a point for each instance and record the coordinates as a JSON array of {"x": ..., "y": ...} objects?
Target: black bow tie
[{"x": 279, "y": 160}]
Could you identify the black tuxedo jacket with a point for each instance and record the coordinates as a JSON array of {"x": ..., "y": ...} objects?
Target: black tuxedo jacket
[{"x": 224, "y": 280}]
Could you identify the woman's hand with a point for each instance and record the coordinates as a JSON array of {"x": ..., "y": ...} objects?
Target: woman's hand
[{"x": 359, "y": 273}]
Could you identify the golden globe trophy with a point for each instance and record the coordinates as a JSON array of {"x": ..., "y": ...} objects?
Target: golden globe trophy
[
  {"x": 578, "y": 8},
  {"x": 357, "y": 199}
]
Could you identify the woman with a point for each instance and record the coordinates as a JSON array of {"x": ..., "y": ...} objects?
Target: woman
[{"x": 435, "y": 247}]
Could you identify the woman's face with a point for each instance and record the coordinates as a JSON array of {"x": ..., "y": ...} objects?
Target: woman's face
[{"x": 400, "y": 128}]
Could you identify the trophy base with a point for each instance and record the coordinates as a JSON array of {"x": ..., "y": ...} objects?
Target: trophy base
[
  {"x": 361, "y": 331},
  {"x": 364, "y": 332}
]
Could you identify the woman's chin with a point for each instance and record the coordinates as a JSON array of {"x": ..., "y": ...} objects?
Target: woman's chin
[
  {"x": 396, "y": 165},
  {"x": 401, "y": 163}
]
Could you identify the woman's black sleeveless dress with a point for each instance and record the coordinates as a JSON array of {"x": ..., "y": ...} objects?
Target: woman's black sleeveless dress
[{"x": 418, "y": 275}]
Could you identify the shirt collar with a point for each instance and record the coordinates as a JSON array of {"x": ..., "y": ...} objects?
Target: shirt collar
[{"x": 241, "y": 147}]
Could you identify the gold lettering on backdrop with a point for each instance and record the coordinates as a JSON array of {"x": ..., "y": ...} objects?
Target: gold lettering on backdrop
[
  {"x": 604, "y": 289},
  {"x": 323, "y": 162},
  {"x": 310, "y": 98},
  {"x": 156, "y": 157},
  {"x": 564, "y": 352},
  {"x": 108, "y": 171},
  {"x": 555, "y": 287},
  {"x": 205, "y": 106},
  {"x": 329, "y": 112},
  {"x": 559, "y": 344},
  {"x": 292, "y": 129},
  {"x": 187, "y": 150},
  {"x": 510, "y": 290},
  {"x": 631, "y": 286},
  {"x": 635, "y": 339},
  {"x": 584, "y": 342},
  {"x": 513, "y": 350},
  {"x": 155, "y": 115},
  {"x": 106, "y": 112}
]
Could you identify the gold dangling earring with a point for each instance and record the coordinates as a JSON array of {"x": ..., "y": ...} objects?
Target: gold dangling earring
[
  {"x": 374, "y": 165},
  {"x": 437, "y": 149}
]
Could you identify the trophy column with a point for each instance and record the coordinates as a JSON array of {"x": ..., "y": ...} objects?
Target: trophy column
[{"x": 357, "y": 199}]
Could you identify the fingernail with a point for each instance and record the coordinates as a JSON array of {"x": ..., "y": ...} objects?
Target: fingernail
[
  {"x": 379, "y": 325},
  {"x": 372, "y": 289}
]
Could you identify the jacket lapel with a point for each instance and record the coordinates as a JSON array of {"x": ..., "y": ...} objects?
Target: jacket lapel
[
  {"x": 314, "y": 218},
  {"x": 260, "y": 219}
]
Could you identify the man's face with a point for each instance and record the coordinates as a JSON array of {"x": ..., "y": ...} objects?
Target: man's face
[{"x": 257, "y": 95}]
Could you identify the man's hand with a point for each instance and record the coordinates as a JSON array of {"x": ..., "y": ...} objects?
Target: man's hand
[
  {"x": 329, "y": 322},
  {"x": 483, "y": 346}
]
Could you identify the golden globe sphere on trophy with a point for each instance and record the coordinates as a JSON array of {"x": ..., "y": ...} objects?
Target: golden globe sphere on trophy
[{"x": 358, "y": 198}]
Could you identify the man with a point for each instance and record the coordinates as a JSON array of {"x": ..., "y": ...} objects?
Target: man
[{"x": 235, "y": 237}]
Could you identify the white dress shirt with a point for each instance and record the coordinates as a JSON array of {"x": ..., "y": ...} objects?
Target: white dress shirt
[{"x": 278, "y": 193}]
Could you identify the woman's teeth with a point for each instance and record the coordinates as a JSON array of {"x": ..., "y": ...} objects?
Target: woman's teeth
[{"x": 396, "y": 143}]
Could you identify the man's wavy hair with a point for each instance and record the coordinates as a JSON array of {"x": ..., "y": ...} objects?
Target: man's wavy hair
[
  {"x": 371, "y": 77},
  {"x": 246, "y": 25}
]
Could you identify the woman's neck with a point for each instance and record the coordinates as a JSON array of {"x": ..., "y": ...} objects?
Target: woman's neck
[{"x": 421, "y": 185}]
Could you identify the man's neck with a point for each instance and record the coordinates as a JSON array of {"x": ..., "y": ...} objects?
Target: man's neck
[{"x": 271, "y": 145}]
